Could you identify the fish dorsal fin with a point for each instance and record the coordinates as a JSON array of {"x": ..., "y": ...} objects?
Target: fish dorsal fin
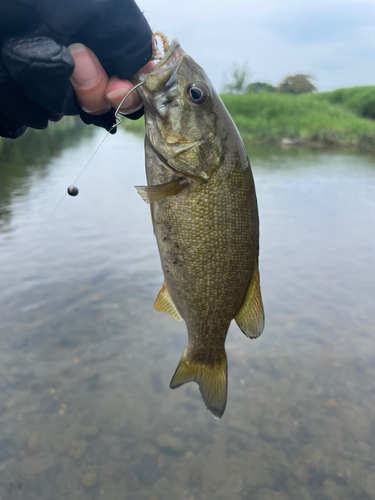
[
  {"x": 164, "y": 303},
  {"x": 150, "y": 194},
  {"x": 250, "y": 318}
]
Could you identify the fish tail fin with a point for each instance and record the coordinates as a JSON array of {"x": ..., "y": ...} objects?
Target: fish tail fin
[{"x": 211, "y": 378}]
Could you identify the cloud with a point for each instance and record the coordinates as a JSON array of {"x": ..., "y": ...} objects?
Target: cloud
[
  {"x": 318, "y": 23},
  {"x": 331, "y": 39}
]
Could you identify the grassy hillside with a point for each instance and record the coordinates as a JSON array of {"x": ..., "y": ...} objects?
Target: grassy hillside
[
  {"x": 304, "y": 117},
  {"x": 342, "y": 117},
  {"x": 360, "y": 100}
]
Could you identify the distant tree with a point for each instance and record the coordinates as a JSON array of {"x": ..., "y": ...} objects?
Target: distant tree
[
  {"x": 237, "y": 78},
  {"x": 297, "y": 84},
  {"x": 255, "y": 87}
]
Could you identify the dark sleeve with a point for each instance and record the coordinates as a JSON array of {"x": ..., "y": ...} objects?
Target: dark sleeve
[{"x": 35, "y": 66}]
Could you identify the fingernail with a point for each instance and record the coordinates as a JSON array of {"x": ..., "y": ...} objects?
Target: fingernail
[
  {"x": 116, "y": 97},
  {"x": 131, "y": 111},
  {"x": 85, "y": 74},
  {"x": 98, "y": 112}
]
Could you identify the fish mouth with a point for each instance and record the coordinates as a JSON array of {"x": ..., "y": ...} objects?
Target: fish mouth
[
  {"x": 170, "y": 59},
  {"x": 160, "y": 73}
]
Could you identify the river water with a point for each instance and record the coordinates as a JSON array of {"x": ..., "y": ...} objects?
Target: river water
[{"x": 85, "y": 362}]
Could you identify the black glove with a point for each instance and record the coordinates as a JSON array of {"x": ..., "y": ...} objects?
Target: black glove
[{"x": 35, "y": 65}]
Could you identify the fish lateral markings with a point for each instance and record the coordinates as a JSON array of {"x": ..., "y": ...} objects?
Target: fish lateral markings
[{"x": 205, "y": 217}]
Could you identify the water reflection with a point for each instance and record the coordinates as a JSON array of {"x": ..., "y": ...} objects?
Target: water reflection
[
  {"x": 31, "y": 156},
  {"x": 85, "y": 363}
]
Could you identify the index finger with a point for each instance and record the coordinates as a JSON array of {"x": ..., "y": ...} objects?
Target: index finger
[{"x": 117, "y": 90}]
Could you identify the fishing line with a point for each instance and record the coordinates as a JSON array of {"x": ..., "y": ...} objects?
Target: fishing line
[
  {"x": 73, "y": 190},
  {"x": 115, "y": 125}
]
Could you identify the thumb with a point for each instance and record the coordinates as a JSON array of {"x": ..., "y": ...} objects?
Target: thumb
[{"x": 89, "y": 80}]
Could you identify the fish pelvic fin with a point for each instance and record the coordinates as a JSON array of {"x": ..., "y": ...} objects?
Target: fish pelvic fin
[
  {"x": 250, "y": 318},
  {"x": 211, "y": 378},
  {"x": 164, "y": 303},
  {"x": 150, "y": 194}
]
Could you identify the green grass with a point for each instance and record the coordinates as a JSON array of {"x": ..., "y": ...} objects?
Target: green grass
[
  {"x": 342, "y": 117},
  {"x": 304, "y": 117},
  {"x": 137, "y": 126},
  {"x": 360, "y": 100}
]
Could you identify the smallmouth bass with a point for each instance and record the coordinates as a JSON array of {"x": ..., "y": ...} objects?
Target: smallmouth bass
[{"x": 205, "y": 218}]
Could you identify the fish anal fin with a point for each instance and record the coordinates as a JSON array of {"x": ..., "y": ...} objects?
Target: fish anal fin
[
  {"x": 150, "y": 194},
  {"x": 164, "y": 303},
  {"x": 250, "y": 318},
  {"x": 211, "y": 378}
]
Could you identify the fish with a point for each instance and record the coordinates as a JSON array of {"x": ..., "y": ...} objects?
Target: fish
[{"x": 204, "y": 212}]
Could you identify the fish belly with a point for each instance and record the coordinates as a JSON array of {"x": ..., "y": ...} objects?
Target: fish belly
[{"x": 208, "y": 242}]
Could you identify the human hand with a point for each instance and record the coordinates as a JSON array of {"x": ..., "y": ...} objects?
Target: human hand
[
  {"x": 35, "y": 65},
  {"x": 97, "y": 93}
]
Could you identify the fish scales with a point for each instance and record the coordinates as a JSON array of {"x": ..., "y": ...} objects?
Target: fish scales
[
  {"x": 205, "y": 219},
  {"x": 199, "y": 275}
]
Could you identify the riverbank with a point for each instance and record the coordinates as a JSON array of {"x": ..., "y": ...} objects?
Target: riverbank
[
  {"x": 65, "y": 129},
  {"x": 344, "y": 117}
]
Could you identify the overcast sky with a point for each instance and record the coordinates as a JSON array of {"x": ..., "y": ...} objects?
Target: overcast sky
[{"x": 332, "y": 39}]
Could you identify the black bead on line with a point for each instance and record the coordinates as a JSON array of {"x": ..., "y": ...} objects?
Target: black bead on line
[{"x": 72, "y": 191}]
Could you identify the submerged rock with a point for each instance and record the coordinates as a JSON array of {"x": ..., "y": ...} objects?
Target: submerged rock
[
  {"x": 7, "y": 449},
  {"x": 89, "y": 431},
  {"x": 195, "y": 478},
  {"x": 147, "y": 470},
  {"x": 330, "y": 404},
  {"x": 245, "y": 427},
  {"x": 172, "y": 443},
  {"x": 267, "y": 494},
  {"x": 157, "y": 382},
  {"x": 31, "y": 443},
  {"x": 77, "y": 448},
  {"x": 89, "y": 479}
]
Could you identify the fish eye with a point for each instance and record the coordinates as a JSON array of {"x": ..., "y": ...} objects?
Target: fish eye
[{"x": 197, "y": 93}]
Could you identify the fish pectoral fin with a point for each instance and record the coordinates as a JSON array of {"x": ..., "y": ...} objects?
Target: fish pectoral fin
[
  {"x": 164, "y": 303},
  {"x": 250, "y": 318},
  {"x": 211, "y": 378},
  {"x": 150, "y": 194}
]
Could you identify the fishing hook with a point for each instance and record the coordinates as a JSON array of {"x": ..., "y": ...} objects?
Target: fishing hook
[{"x": 118, "y": 119}]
